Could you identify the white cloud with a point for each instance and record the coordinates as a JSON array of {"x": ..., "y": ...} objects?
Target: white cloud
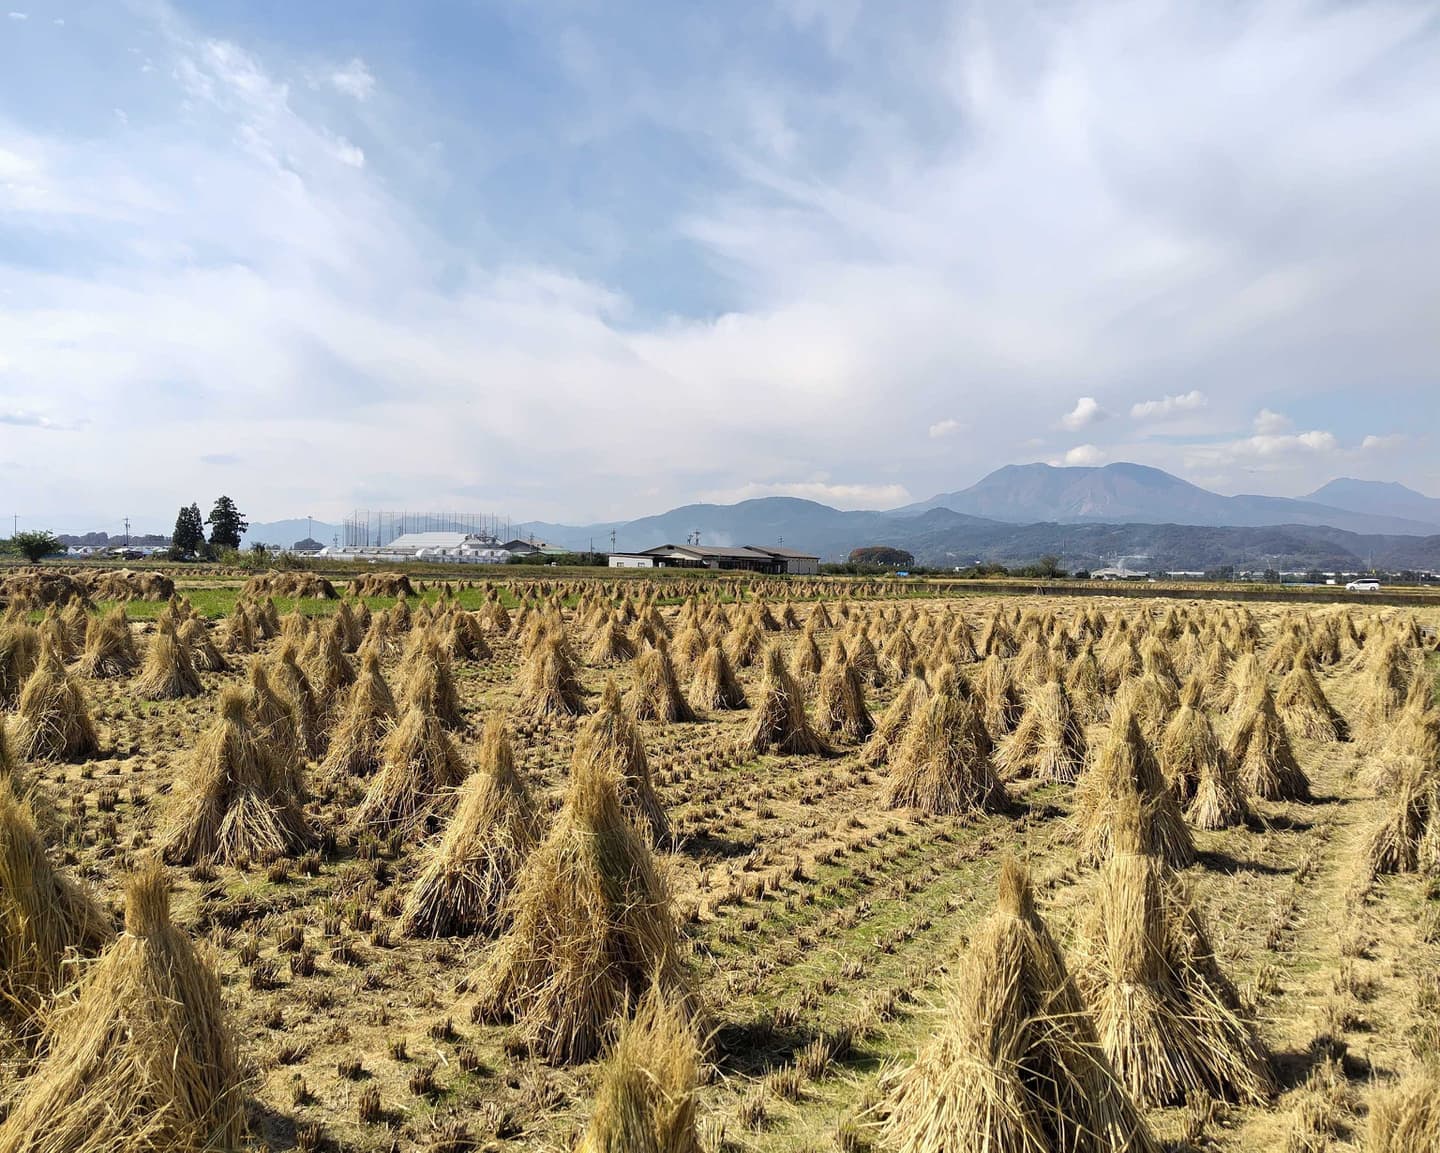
[
  {"x": 1374, "y": 443},
  {"x": 1168, "y": 405},
  {"x": 348, "y": 153},
  {"x": 1082, "y": 455},
  {"x": 20, "y": 418},
  {"x": 1087, "y": 411},
  {"x": 354, "y": 79},
  {"x": 1268, "y": 422},
  {"x": 946, "y": 427},
  {"x": 288, "y": 292},
  {"x": 18, "y": 16}
]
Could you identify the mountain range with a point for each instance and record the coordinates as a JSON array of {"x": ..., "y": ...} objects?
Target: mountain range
[{"x": 1087, "y": 516}]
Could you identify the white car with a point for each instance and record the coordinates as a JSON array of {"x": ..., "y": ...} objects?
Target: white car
[{"x": 1363, "y": 585}]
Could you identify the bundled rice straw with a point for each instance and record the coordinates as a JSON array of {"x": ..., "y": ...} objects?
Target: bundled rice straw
[
  {"x": 369, "y": 716},
  {"x": 290, "y": 681},
  {"x": 840, "y": 699},
  {"x": 1305, "y": 708},
  {"x": 236, "y": 800},
  {"x": 548, "y": 683},
  {"x": 1407, "y": 838},
  {"x": 714, "y": 685},
  {"x": 1260, "y": 749},
  {"x": 943, "y": 764},
  {"x": 1126, "y": 767},
  {"x": 467, "y": 875},
  {"x": 169, "y": 670},
  {"x": 427, "y": 676},
  {"x": 1168, "y": 1018},
  {"x": 646, "y": 1099},
  {"x": 1085, "y": 686},
  {"x": 19, "y": 654},
  {"x": 893, "y": 723},
  {"x": 52, "y": 721},
  {"x": 779, "y": 723},
  {"x": 997, "y": 697},
  {"x": 611, "y": 646},
  {"x": 805, "y": 660},
  {"x": 419, "y": 771},
  {"x": 328, "y": 669},
  {"x": 592, "y": 928},
  {"x": 1049, "y": 742},
  {"x": 1387, "y": 681},
  {"x": 655, "y": 693},
  {"x": 204, "y": 655},
  {"x": 611, "y": 739},
  {"x": 109, "y": 647},
  {"x": 1406, "y": 1119},
  {"x": 1016, "y": 1066},
  {"x": 142, "y": 1061},
  {"x": 44, "y": 917}
]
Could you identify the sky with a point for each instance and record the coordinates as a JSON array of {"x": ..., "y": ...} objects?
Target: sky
[{"x": 576, "y": 262}]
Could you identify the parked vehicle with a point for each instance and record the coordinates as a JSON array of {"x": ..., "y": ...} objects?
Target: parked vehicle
[{"x": 1363, "y": 585}]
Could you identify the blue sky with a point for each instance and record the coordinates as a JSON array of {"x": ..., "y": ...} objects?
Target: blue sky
[{"x": 572, "y": 261}]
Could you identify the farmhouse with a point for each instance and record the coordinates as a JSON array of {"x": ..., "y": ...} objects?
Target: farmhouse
[{"x": 745, "y": 558}]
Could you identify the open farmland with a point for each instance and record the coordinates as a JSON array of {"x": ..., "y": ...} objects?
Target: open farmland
[{"x": 1225, "y": 812}]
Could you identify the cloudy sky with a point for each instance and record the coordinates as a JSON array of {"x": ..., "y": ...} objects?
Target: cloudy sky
[{"x": 573, "y": 261}]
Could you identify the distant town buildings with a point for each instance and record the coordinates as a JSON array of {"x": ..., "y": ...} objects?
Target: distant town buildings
[{"x": 746, "y": 558}]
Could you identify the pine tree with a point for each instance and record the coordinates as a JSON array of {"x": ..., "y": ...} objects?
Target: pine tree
[
  {"x": 189, "y": 536},
  {"x": 227, "y": 524}
]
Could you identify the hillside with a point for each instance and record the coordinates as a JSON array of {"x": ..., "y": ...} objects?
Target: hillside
[{"x": 1131, "y": 493}]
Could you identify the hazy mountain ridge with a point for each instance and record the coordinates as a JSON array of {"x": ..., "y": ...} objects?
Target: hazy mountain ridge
[{"x": 1125, "y": 493}]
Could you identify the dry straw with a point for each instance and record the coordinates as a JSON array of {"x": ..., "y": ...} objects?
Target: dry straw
[
  {"x": 1305, "y": 708},
  {"x": 142, "y": 1061},
  {"x": 997, "y": 696},
  {"x": 109, "y": 647},
  {"x": 1260, "y": 749},
  {"x": 1016, "y": 1066},
  {"x": 779, "y": 723},
  {"x": 426, "y": 676},
  {"x": 943, "y": 764},
  {"x": 44, "y": 917},
  {"x": 714, "y": 685},
  {"x": 1197, "y": 766},
  {"x": 893, "y": 722},
  {"x": 840, "y": 708},
  {"x": 1049, "y": 742},
  {"x": 237, "y": 799},
  {"x": 19, "y": 654},
  {"x": 1168, "y": 1018},
  {"x": 611, "y": 740},
  {"x": 547, "y": 681},
  {"x": 592, "y": 928},
  {"x": 467, "y": 875},
  {"x": 655, "y": 693},
  {"x": 169, "y": 669},
  {"x": 1125, "y": 767},
  {"x": 52, "y": 721},
  {"x": 420, "y": 768},
  {"x": 370, "y": 714},
  {"x": 646, "y": 1099},
  {"x": 1406, "y": 1119}
]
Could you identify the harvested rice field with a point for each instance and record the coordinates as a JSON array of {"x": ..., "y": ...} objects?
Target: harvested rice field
[{"x": 681, "y": 865}]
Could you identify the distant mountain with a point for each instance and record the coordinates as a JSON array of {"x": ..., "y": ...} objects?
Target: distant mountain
[
  {"x": 1378, "y": 498},
  {"x": 775, "y": 520},
  {"x": 285, "y": 533},
  {"x": 1132, "y": 493}
]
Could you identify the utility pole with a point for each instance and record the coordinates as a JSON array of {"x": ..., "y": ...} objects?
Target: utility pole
[
  {"x": 309, "y": 527},
  {"x": 612, "y": 540},
  {"x": 127, "y": 532}
]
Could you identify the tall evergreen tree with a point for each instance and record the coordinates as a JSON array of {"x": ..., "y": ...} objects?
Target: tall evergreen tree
[
  {"x": 227, "y": 524},
  {"x": 189, "y": 535}
]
